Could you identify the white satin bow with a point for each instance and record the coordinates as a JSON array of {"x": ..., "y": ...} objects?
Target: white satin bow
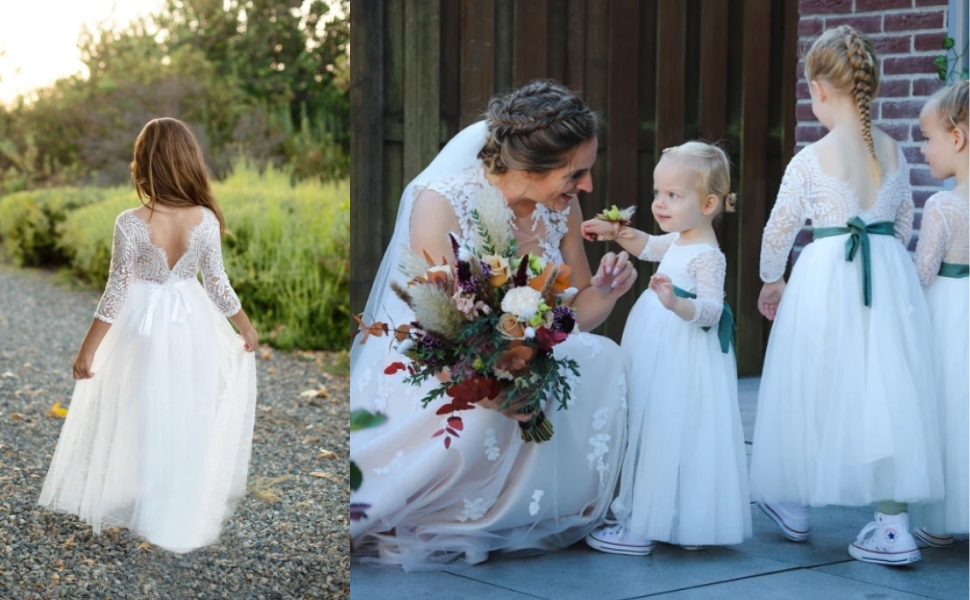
[{"x": 180, "y": 312}]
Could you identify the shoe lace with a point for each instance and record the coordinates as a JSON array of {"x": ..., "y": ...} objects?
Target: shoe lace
[{"x": 866, "y": 531}]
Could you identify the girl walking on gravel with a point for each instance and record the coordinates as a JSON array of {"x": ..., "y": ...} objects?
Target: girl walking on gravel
[{"x": 160, "y": 426}]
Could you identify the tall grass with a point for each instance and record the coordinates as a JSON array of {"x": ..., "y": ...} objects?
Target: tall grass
[{"x": 288, "y": 254}]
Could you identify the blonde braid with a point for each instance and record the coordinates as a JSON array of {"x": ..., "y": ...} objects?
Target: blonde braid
[{"x": 863, "y": 67}]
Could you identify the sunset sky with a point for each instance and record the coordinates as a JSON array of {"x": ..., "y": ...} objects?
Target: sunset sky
[{"x": 39, "y": 39}]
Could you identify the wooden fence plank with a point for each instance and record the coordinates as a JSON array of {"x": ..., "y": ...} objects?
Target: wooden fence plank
[
  {"x": 451, "y": 66},
  {"x": 422, "y": 70},
  {"x": 504, "y": 44},
  {"x": 752, "y": 211},
  {"x": 622, "y": 149},
  {"x": 477, "y": 58},
  {"x": 531, "y": 41},
  {"x": 575, "y": 45},
  {"x": 366, "y": 145}
]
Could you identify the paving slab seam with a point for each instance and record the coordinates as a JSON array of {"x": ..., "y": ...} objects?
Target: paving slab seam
[
  {"x": 488, "y": 583},
  {"x": 910, "y": 592},
  {"x": 712, "y": 583}
]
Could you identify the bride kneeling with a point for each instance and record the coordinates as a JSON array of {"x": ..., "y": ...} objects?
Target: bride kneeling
[{"x": 490, "y": 490}]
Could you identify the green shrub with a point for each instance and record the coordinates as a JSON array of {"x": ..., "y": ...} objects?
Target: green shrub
[
  {"x": 288, "y": 254},
  {"x": 29, "y": 221}
]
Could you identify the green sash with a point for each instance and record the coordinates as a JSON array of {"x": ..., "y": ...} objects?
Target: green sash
[
  {"x": 955, "y": 270},
  {"x": 858, "y": 238},
  {"x": 725, "y": 327}
]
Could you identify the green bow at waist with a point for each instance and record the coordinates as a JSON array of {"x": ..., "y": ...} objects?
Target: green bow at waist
[
  {"x": 725, "y": 327},
  {"x": 955, "y": 270},
  {"x": 858, "y": 238}
]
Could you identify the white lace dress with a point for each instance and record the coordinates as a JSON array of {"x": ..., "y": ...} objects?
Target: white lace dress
[
  {"x": 684, "y": 478},
  {"x": 158, "y": 441},
  {"x": 944, "y": 238},
  {"x": 847, "y": 403},
  {"x": 489, "y": 491}
]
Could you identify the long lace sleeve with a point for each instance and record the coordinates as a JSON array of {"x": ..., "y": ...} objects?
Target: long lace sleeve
[
  {"x": 214, "y": 277},
  {"x": 787, "y": 217},
  {"x": 708, "y": 271},
  {"x": 120, "y": 275},
  {"x": 934, "y": 235},
  {"x": 657, "y": 246},
  {"x": 904, "y": 216}
]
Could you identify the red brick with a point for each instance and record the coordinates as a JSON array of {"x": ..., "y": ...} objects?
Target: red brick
[
  {"x": 916, "y": 133},
  {"x": 876, "y": 5},
  {"x": 920, "y": 176},
  {"x": 908, "y": 65},
  {"x": 894, "y": 88},
  {"x": 921, "y": 196},
  {"x": 809, "y": 27},
  {"x": 865, "y": 24},
  {"x": 928, "y": 42},
  {"x": 802, "y": 92},
  {"x": 901, "y": 109},
  {"x": 824, "y": 7},
  {"x": 803, "y": 112},
  {"x": 931, "y": 2},
  {"x": 892, "y": 44},
  {"x": 917, "y": 220},
  {"x": 913, "y": 155},
  {"x": 897, "y": 131},
  {"x": 911, "y": 21},
  {"x": 912, "y": 244},
  {"x": 809, "y": 133},
  {"x": 926, "y": 86}
]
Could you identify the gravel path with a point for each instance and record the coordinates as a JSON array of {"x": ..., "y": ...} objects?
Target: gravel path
[{"x": 288, "y": 539}]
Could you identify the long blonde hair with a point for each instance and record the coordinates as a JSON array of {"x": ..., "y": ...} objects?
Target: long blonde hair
[
  {"x": 168, "y": 168},
  {"x": 847, "y": 60},
  {"x": 713, "y": 169}
]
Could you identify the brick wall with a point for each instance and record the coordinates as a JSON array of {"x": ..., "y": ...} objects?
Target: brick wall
[{"x": 907, "y": 35}]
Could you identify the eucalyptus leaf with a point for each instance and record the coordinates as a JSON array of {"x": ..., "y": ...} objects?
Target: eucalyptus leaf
[{"x": 363, "y": 419}]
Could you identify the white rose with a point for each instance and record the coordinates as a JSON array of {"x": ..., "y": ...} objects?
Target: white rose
[{"x": 522, "y": 302}]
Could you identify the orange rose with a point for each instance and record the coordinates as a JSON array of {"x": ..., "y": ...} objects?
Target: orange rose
[
  {"x": 510, "y": 327},
  {"x": 498, "y": 267}
]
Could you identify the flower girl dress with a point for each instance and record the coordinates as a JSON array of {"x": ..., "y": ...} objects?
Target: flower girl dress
[{"x": 158, "y": 440}]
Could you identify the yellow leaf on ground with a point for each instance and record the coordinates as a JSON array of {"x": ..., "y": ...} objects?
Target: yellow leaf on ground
[
  {"x": 144, "y": 546},
  {"x": 324, "y": 475},
  {"x": 57, "y": 411},
  {"x": 320, "y": 393},
  {"x": 68, "y": 542},
  {"x": 327, "y": 454}
]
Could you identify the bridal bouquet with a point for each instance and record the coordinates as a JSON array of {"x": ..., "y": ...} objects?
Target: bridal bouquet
[{"x": 486, "y": 325}]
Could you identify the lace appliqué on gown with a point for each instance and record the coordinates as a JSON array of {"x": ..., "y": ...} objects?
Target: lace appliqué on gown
[
  {"x": 462, "y": 190},
  {"x": 134, "y": 256},
  {"x": 807, "y": 192},
  {"x": 943, "y": 235}
]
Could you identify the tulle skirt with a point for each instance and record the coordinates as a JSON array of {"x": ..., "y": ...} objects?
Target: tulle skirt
[
  {"x": 847, "y": 406},
  {"x": 949, "y": 302},
  {"x": 489, "y": 491},
  {"x": 684, "y": 478},
  {"x": 158, "y": 441}
]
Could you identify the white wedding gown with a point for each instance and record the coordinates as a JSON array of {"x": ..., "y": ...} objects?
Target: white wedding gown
[
  {"x": 944, "y": 237},
  {"x": 158, "y": 441},
  {"x": 490, "y": 491},
  {"x": 847, "y": 405}
]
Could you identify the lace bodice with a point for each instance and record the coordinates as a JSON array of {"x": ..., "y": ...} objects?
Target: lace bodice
[
  {"x": 134, "y": 257},
  {"x": 695, "y": 268},
  {"x": 943, "y": 235},
  {"x": 462, "y": 189},
  {"x": 807, "y": 192}
]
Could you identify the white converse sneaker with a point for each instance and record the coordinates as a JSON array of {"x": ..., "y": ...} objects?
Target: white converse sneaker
[
  {"x": 886, "y": 541},
  {"x": 790, "y": 517},
  {"x": 931, "y": 539},
  {"x": 617, "y": 540}
]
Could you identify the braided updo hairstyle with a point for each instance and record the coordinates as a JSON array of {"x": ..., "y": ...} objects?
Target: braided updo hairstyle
[
  {"x": 846, "y": 59},
  {"x": 535, "y": 127}
]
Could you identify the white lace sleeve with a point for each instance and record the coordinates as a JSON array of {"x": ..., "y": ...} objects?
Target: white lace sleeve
[
  {"x": 214, "y": 277},
  {"x": 904, "y": 216},
  {"x": 708, "y": 270},
  {"x": 120, "y": 275},
  {"x": 787, "y": 217},
  {"x": 934, "y": 234},
  {"x": 657, "y": 246}
]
